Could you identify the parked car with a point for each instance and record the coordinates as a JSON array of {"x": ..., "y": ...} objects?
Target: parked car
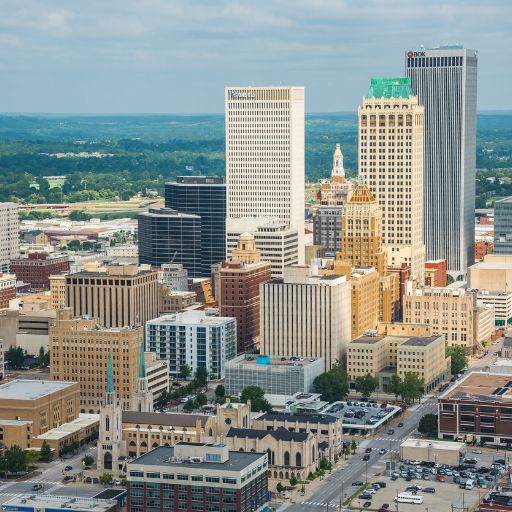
[
  {"x": 367, "y": 504},
  {"x": 400, "y": 425},
  {"x": 68, "y": 468},
  {"x": 429, "y": 490},
  {"x": 440, "y": 478},
  {"x": 391, "y": 431},
  {"x": 382, "y": 485},
  {"x": 357, "y": 483}
]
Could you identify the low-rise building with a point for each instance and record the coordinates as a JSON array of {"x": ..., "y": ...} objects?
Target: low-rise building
[
  {"x": 493, "y": 273},
  {"x": 174, "y": 276},
  {"x": 431, "y": 450},
  {"x": 7, "y": 289},
  {"x": 37, "y": 502},
  {"x": 506, "y": 351},
  {"x": 195, "y": 339},
  {"x": 480, "y": 406},
  {"x": 174, "y": 302},
  {"x": 195, "y": 476},
  {"x": 275, "y": 375},
  {"x": 435, "y": 273},
  {"x": 37, "y": 268},
  {"x": 501, "y": 302},
  {"x": 484, "y": 323}
]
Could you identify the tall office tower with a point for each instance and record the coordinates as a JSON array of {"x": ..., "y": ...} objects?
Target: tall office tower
[
  {"x": 119, "y": 295},
  {"x": 306, "y": 315},
  {"x": 391, "y": 163},
  {"x": 169, "y": 236},
  {"x": 239, "y": 297},
  {"x": 361, "y": 227},
  {"x": 265, "y": 157},
  {"x": 204, "y": 196},
  {"x": 9, "y": 234},
  {"x": 445, "y": 81},
  {"x": 331, "y": 198},
  {"x": 503, "y": 226}
]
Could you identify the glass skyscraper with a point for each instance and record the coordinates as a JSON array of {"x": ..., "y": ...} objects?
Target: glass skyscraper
[
  {"x": 503, "y": 226},
  {"x": 445, "y": 80}
]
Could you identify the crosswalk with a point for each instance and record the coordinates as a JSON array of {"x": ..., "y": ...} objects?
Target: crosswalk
[{"x": 320, "y": 504}]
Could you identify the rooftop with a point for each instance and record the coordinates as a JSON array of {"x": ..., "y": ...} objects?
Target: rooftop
[
  {"x": 25, "y": 389},
  {"x": 390, "y": 88},
  {"x": 172, "y": 419},
  {"x": 280, "y": 434},
  {"x": 190, "y": 317},
  {"x": 301, "y": 418},
  {"x": 437, "y": 445},
  {"x": 417, "y": 341},
  {"x": 368, "y": 339},
  {"x": 481, "y": 386},
  {"x": 50, "y": 502},
  {"x": 162, "y": 456},
  {"x": 262, "y": 362},
  {"x": 75, "y": 426}
]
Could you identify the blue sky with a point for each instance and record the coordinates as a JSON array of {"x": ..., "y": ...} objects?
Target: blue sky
[{"x": 176, "y": 56}]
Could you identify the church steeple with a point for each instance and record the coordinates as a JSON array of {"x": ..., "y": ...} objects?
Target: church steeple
[
  {"x": 142, "y": 363},
  {"x": 338, "y": 171},
  {"x": 110, "y": 396},
  {"x": 143, "y": 397}
]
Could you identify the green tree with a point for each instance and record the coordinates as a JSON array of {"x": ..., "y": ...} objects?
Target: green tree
[
  {"x": 346, "y": 451},
  {"x": 16, "y": 461},
  {"x": 201, "y": 377},
  {"x": 395, "y": 385},
  {"x": 87, "y": 461},
  {"x": 411, "y": 387},
  {"x": 353, "y": 446},
  {"x": 185, "y": 371},
  {"x": 220, "y": 390},
  {"x": 459, "y": 358},
  {"x": 293, "y": 480},
  {"x": 45, "y": 453},
  {"x": 324, "y": 463},
  {"x": 105, "y": 478},
  {"x": 428, "y": 425},
  {"x": 366, "y": 385},
  {"x": 279, "y": 487},
  {"x": 201, "y": 400},
  {"x": 15, "y": 357},
  {"x": 332, "y": 385},
  {"x": 165, "y": 396},
  {"x": 79, "y": 215},
  {"x": 190, "y": 405},
  {"x": 257, "y": 397}
]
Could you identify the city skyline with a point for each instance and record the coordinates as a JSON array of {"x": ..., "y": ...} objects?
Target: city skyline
[{"x": 118, "y": 57}]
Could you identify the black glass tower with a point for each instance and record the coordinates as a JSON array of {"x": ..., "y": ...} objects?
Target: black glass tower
[{"x": 204, "y": 196}]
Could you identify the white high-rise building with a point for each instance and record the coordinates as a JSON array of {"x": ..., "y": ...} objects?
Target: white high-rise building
[
  {"x": 9, "y": 234},
  {"x": 265, "y": 157},
  {"x": 445, "y": 81}
]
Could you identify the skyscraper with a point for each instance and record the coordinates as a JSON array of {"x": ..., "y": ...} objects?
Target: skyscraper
[
  {"x": 445, "y": 80},
  {"x": 265, "y": 157},
  {"x": 204, "y": 196},
  {"x": 9, "y": 234},
  {"x": 391, "y": 163}
]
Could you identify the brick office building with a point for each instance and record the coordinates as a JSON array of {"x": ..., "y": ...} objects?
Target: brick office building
[
  {"x": 37, "y": 268},
  {"x": 7, "y": 289},
  {"x": 480, "y": 405}
]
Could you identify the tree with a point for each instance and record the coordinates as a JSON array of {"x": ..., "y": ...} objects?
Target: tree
[
  {"x": 395, "y": 385},
  {"x": 346, "y": 451},
  {"x": 257, "y": 397},
  {"x": 220, "y": 390},
  {"x": 79, "y": 215},
  {"x": 15, "y": 357},
  {"x": 332, "y": 385},
  {"x": 279, "y": 487},
  {"x": 428, "y": 425},
  {"x": 190, "y": 405},
  {"x": 87, "y": 461},
  {"x": 185, "y": 371},
  {"x": 15, "y": 459},
  {"x": 459, "y": 358},
  {"x": 366, "y": 385},
  {"x": 105, "y": 478},
  {"x": 201, "y": 377},
  {"x": 201, "y": 400},
  {"x": 412, "y": 387},
  {"x": 74, "y": 245},
  {"x": 45, "y": 453},
  {"x": 165, "y": 396},
  {"x": 353, "y": 446},
  {"x": 324, "y": 463},
  {"x": 293, "y": 480}
]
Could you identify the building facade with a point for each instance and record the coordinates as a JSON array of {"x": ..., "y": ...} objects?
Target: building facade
[
  {"x": 118, "y": 295},
  {"x": 174, "y": 276},
  {"x": 445, "y": 81},
  {"x": 494, "y": 273},
  {"x": 37, "y": 268},
  {"x": 9, "y": 234},
  {"x": 167, "y": 236},
  {"x": 391, "y": 164},
  {"x": 503, "y": 226},
  {"x": 501, "y": 302},
  {"x": 435, "y": 273},
  {"x": 58, "y": 294},
  {"x": 7, "y": 289},
  {"x": 265, "y": 157},
  {"x": 239, "y": 281},
  {"x": 194, "y": 339},
  {"x": 305, "y": 315},
  {"x": 204, "y": 196}
]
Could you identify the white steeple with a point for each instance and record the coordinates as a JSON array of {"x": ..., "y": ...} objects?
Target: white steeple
[{"x": 337, "y": 163}]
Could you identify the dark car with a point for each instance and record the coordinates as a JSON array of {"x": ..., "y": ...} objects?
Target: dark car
[
  {"x": 37, "y": 487},
  {"x": 368, "y": 450},
  {"x": 391, "y": 432},
  {"x": 366, "y": 458},
  {"x": 382, "y": 485},
  {"x": 365, "y": 496},
  {"x": 367, "y": 504},
  {"x": 489, "y": 478},
  {"x": 394, "y": 477},
  {"x": 385, "y": 506},
  {"x": 429, "y": 490},
  {"x": 68, "y": 468},
  {"x": 400, "y": 425},
  {"x": 357, "y": 483}
]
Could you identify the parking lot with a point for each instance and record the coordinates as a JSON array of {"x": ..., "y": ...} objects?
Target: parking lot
[{"x": 362, "y": 417}]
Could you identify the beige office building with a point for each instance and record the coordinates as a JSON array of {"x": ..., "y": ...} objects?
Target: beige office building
[
  {"x": 306, "y": 314},
  {"x": 118, "y": 295},
  {"x": 79, "y": 350},
  {"x": 265, "y": 157},
  {"x": 391, "y": 163},
  {"x": 58, "y": 293},
  {"x": 9, "y": 234},
  {"x": 494, "y": 273},
  {"x": 450, "y": 311}
]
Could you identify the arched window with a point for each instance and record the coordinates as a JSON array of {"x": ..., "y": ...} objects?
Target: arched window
[
  {"x": 298, "y": 459},
  {"x": 286, "y": 458},
  {"x": 241, "y": 450},
  {"x": 155, "y": 445},
  {"x": 132, "y": 443},
  {"x": 144, "y": 444}
]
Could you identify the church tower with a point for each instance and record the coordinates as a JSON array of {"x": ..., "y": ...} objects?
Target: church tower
[
  {"x": 338, "y": 171},
  {"x": 111, "y": 447},
  {"x": 143, "y": 397}
]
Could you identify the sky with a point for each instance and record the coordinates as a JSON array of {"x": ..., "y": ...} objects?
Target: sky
[{"x": 176, "y": 56}]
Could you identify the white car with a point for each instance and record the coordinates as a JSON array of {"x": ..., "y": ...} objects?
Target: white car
[
  {"x": 477, "y": 452},
  {"x": 370, "y": 490}
]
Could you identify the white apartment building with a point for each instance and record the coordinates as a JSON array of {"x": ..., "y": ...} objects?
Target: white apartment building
[
  {"x": 9, "y": 234},
  {"x": 265, "y": 157},
  {"x": 502, "y": 303},
  {"x": 391, "y": 163},
  {"x": 306, "y": 314},
  {"x": 174, "y": 276},
  {"x": 194, "y": 339},
  {"x": 278, "y": 243}
]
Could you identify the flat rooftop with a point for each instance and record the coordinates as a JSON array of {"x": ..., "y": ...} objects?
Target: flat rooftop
[
  {"x": 482, "y": 386},
  {"x": 436, "y": 445},
  {"x": 47, "y": 501},
  {"x": 25, "y": 389},
  {"x": 251, "y": 361},
  {"x": 417, "y": 341},
  {"x": 161, "y": 456},
  {"x": 368, "y": 339},
  {"x": 66, "y": 429}
]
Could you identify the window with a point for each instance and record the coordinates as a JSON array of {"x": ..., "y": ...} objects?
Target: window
[
  {"x": 227, "y": 480},
  {"x": 182, "y": 477}
]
